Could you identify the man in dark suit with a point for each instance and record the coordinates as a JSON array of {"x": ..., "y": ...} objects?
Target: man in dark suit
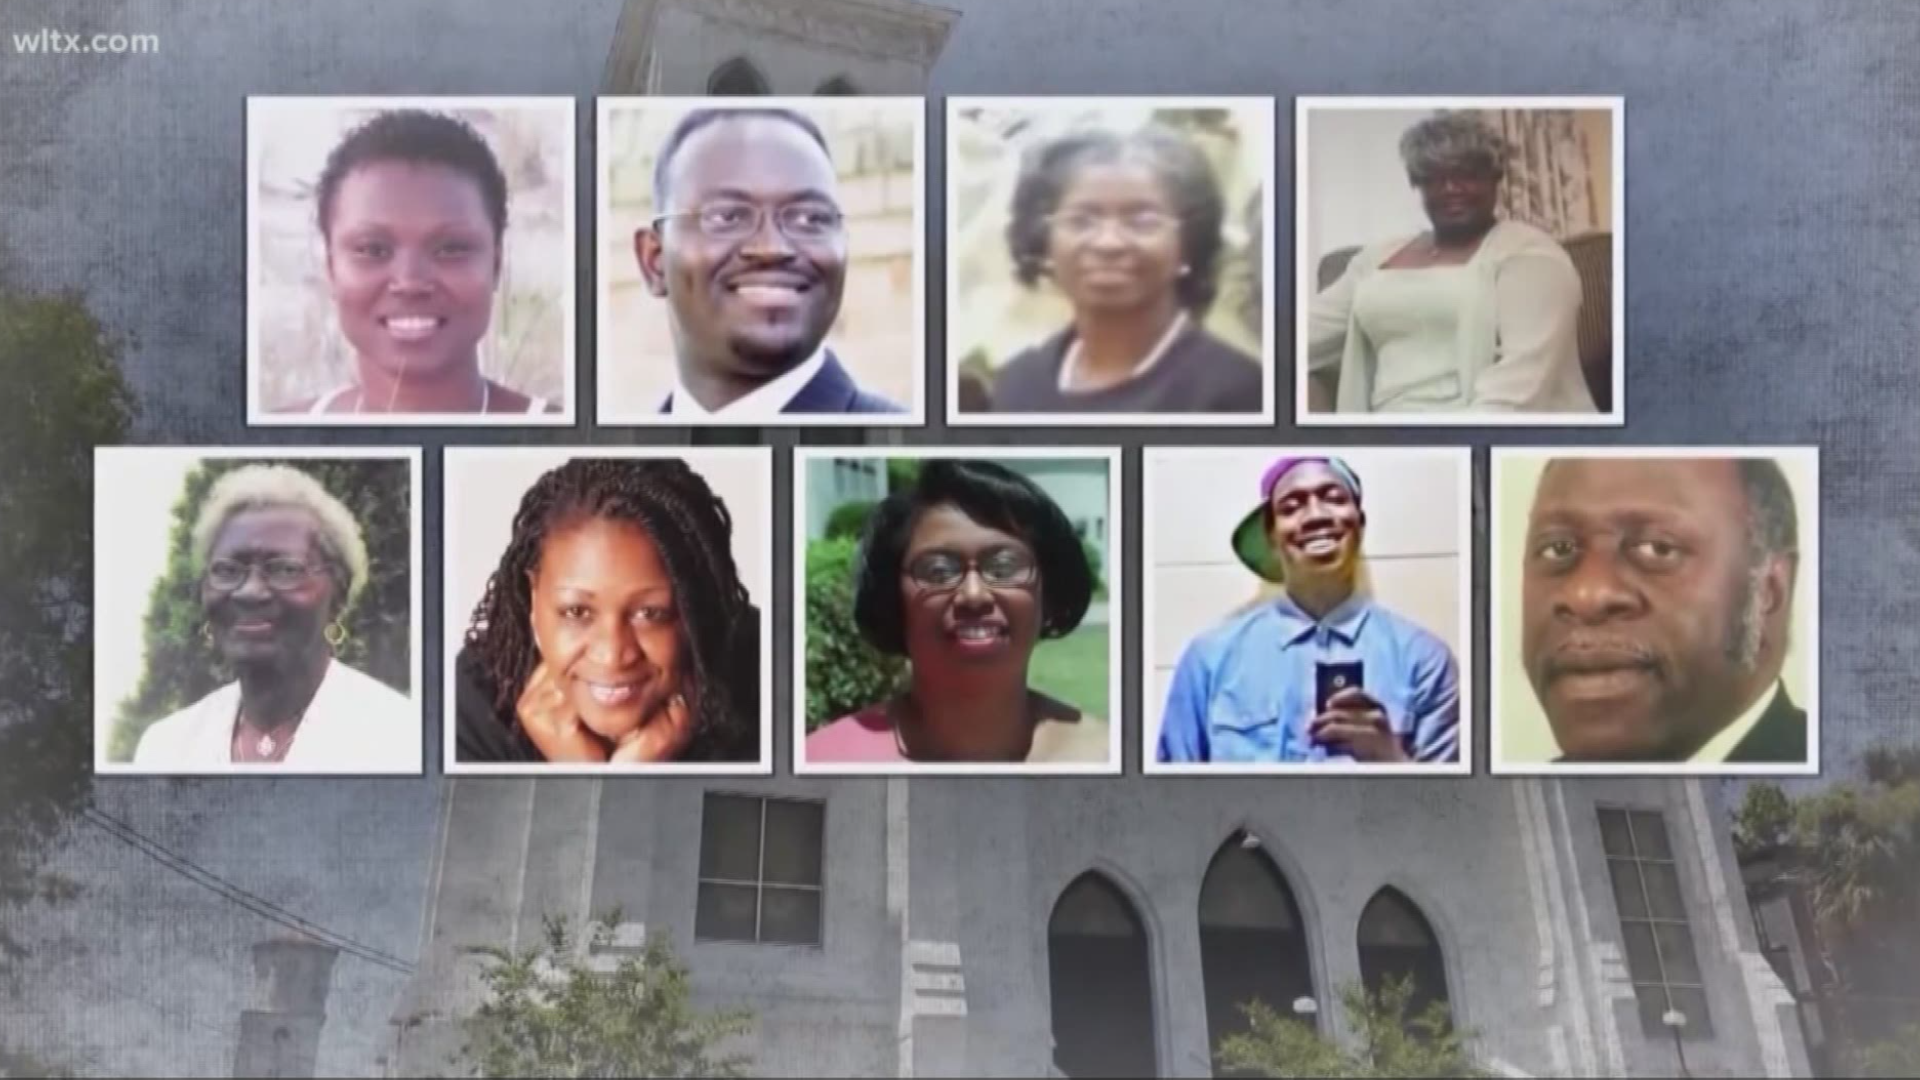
[
  {"x": 1656, "y": 598},
  {"x": 749, "y": 250}
]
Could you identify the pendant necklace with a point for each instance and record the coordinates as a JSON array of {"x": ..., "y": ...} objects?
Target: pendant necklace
[{"x": 266, "y": 745}]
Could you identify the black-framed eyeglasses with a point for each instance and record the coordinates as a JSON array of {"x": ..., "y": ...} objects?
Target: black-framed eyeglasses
[
  {"x": 999, "y": 568},
  {"x": 1141, "y": 225},
  {"x": 808, "y": 221},
  {"x": 282, "y": 574}
]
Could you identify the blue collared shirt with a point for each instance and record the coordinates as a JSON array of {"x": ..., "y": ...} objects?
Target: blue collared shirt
[{"x": 1244, "y": 690}]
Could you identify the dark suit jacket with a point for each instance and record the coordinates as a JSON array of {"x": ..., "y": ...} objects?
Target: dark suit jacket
[
  {"x": 830, "y": 391},
  {"x": 1780, "y": 738}
]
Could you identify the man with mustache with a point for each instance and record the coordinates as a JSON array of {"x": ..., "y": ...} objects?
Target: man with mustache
[
  {"x": 1248, "y": 691},
  {"x": 749, "y": 250},
  {"x": 1655, "y": 600}
]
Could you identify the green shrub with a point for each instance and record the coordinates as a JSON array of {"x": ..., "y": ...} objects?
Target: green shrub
[
  {"x": 844, "y": 673},
  {"x": 848, "y": 520},
  {"x": 902, "y": 473},
  {"x": 572, "y": 1006},
  {"x": 1093, "y": 564}
]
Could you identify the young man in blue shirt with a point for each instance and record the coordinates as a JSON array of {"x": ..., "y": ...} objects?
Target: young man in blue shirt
[{"x": 1247, "y": 691}]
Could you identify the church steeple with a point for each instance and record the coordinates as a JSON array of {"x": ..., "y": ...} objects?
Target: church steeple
[{"x": 782, "y": 47}]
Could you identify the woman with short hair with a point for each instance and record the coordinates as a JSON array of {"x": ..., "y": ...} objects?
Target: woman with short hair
[
  {"x": 964, "y": 573},
  {"x": 1130, "y": 229},
  {"x": 412, "y": 209},
  {"x": 1478, "y": 314},
  {"x": 278, "y": 562}
]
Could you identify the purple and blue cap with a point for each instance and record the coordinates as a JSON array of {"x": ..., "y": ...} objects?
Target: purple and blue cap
[{"x": 1250, "y": 541}]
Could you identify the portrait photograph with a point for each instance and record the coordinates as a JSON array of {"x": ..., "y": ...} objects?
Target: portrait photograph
[
  {"x": 410, "y": 261},
  {"x": 1656, "y": 610},
  {"x": 1459, "y": 261},
  {"x": 760, "y": 261},
  {"x": 957, "y": 611},
  {"x": 607, "y": 611},
  {"x": 1108, "y": 261},
  {"x": 1307, "y": 611},
  {"x": 256, "y": 611}
]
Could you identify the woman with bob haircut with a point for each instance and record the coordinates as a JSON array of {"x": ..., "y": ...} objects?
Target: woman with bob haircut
[
  {"x": 963, "y": 574},
  {"x": 279, "y": 562},
  {"x": 616, "y": 628},
  {"x": 1129, "y": 228},
  {"x": 412, "y": 208},
  {"x": 1480, "y": 314}
]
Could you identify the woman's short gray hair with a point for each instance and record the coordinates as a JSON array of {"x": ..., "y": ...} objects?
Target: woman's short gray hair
[
  {"x": 1453, "y": 140},
  {"x": 277, "y": 487}
]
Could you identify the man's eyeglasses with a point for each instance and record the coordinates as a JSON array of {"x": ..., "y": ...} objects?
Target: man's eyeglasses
[
  {"x": 737, "y": 219},
  {"x": 1141, "y": 225},
  {"x": 1000, "y": 568},
  {"x": 283, "y": 575}
]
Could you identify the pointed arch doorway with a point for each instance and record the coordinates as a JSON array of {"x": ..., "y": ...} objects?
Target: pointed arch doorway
[
  {"x": 1100, "y": 975},
  {"x": 1253, "y": 942}
]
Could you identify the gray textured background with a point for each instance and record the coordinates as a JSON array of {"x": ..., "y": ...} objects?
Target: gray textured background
[{"x": 1771, "y": 297}]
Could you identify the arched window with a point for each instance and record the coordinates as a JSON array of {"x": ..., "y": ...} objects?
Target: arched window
[
  {"x": 737, "y": 78},
  {"x": 838, "y": 86},
  {"x": 1102, "y": 983},
  {"x": 1253, "y": 943},
  {"x": 1397, "y": 942}
]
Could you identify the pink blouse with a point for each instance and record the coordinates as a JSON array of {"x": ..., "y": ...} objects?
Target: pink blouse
[{"x": 865, "y": 737}]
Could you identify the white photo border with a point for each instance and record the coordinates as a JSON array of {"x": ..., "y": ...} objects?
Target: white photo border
[
  {"x": 1264, "y": 417},
  {"x": 606, "y": 343},
  {"x": 1112, "y": 457},
  {"x": 1501, "y": 649},
  {"x": 455, "y": 621},
  {"x": 1462, "y": 458},
  {"x": 259, "y": 110},
  {"x": 103, "y": 456},
  {"x": 1304, "y": 271}
]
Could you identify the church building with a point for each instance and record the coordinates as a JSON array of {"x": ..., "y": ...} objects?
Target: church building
[{"x": 1099, "y": 926}]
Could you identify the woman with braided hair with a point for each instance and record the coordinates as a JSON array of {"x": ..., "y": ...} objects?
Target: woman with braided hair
[{"x": 615, "y": 628}]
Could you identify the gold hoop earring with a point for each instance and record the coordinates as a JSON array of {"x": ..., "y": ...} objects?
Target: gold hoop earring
[
  {"x": 206, "y": 633},
  {"x": 334, "y": 633}
]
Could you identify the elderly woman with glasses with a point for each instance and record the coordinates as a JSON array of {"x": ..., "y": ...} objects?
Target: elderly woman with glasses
[
  {"x": 279, "y": 563},
  {"x": 1479, "y": 314},
  {"x": 1129, "y": 229},
  {"x": 963, "y": 574}
]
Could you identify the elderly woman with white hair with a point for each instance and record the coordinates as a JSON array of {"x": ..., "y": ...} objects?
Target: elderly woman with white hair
[
  {"x": 1477, "y": 315},
  {"x": 279, "y": 561}
]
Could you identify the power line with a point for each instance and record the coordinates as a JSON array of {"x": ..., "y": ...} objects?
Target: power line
[{"x": 258, "y": 905}]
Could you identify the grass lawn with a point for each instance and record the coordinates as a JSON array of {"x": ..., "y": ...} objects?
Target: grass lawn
[{"x": 1074, "y": 669}]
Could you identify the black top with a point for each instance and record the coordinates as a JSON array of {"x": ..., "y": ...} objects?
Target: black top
[
  {"x": 1780, "y": 738},
  {"x": 1199, "y": 373},
  {"x": 481, "y": 734}
]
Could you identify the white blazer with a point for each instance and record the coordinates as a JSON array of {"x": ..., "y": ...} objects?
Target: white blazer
[{"x": 355, "y": 724}]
